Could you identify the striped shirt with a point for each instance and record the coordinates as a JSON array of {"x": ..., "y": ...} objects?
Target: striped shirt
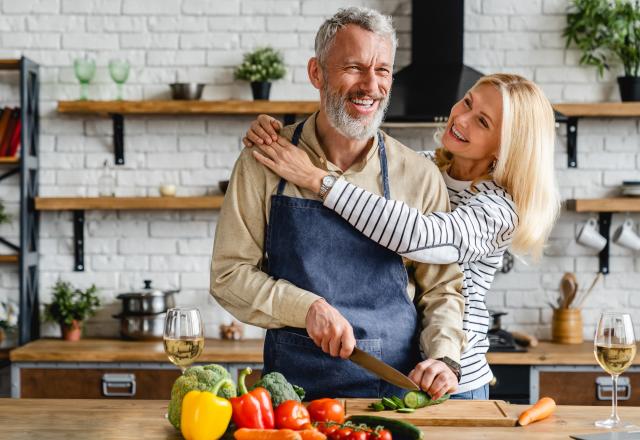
[{"x": 475, "y": 235}]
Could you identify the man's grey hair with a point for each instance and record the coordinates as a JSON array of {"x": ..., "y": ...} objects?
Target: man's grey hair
[{"x": 368, "y": 19}]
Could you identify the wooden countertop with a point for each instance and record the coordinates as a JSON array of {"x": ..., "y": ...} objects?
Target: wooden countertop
[
  {"x": 115, "y": 350},
  {"x": 135, "y": 419},
  {"x": 250, "y": 351}
]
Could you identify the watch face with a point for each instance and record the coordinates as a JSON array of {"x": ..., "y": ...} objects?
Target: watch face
[{"x": 328, "y": 180}]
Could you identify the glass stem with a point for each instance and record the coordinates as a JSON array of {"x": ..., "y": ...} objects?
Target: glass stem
[
  {"x": 614, "y": 398},
  {"x": 119, "y": 97},
  {"x": 84, "y": 91}
]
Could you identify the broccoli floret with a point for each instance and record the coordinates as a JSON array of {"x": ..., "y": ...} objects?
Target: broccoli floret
[
  {"x": 279, "y": 388},
  {"x": 200, "y": 378}
]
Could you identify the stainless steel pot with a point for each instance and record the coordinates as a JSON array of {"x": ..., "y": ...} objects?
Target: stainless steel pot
[
  {"x": 141, "y": 327},
  {"x": 147, "y": 301}
]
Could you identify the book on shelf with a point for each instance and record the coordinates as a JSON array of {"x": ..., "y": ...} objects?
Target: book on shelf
[{"x": 10, "y": 127}]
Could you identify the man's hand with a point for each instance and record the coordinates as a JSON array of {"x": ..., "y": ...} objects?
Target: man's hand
[
  {"x": 434, "y": 377},
  {"x": 330, "y": 330}
]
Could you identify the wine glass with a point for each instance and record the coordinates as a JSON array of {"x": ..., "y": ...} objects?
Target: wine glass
[
  {"x": 84, "y": 69},
  {"x": 183, "y": 336},
  {"x": 615, "y": 349},
  {"x": 119, "y": 71}
]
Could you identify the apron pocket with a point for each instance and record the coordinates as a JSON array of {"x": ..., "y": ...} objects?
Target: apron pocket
[{"x": 303, "y": 363}]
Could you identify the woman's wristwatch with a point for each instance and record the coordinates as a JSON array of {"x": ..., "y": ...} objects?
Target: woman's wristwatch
[
  {"x": 326, "y": 184},
  {"x": 453, "y": 366}
]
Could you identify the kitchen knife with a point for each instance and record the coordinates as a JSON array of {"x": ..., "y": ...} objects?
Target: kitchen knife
[{"x": 382, "y": 370}]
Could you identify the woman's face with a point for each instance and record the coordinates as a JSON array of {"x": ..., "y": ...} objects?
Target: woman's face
[{"x": 473, "y": 129}]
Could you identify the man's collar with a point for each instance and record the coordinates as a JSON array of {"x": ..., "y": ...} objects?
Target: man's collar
[{"x": 310, "y": 138}]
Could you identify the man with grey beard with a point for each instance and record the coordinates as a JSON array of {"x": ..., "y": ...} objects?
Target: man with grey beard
[{"x": 283, "y": 262}]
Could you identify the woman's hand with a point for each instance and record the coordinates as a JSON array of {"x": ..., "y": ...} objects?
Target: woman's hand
[
  {"x": 264, "y": 130},
  {"x": 434, "y": 377},
  {"x": 291, "y": 163}
]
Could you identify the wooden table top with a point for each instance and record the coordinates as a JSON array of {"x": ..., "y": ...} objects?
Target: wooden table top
[
  {"x": 53, "y": 419},
  {"x": 250, "y": 351}
]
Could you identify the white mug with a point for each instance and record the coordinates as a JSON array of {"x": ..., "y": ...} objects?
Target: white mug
[
  {"x": 590, "y": 237},
  {"x": 625, "y": 236}
]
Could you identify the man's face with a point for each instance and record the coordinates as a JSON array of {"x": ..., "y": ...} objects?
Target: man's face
[{"x": 356, "y": 81}]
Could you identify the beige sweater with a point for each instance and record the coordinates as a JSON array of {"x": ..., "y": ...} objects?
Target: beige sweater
[{"x": 252, "y": 296}]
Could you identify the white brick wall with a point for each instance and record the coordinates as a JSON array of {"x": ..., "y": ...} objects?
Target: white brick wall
[{"x": 202, "y": 40}]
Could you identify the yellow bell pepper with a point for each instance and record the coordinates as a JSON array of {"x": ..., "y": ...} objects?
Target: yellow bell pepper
[{"x": 205, "y": 416}]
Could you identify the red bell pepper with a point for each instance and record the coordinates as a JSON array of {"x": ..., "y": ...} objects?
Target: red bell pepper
[
  {"x": 252, "y": 409},
  {"x": 292, "y": 414}
]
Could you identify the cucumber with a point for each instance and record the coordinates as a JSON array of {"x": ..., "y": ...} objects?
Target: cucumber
[
  {"x": 398, "y": 401},
  {"x": 405, "y": 410},
  {"x": 377, "y": 406},
  {"x": 420, "y": 399},
  {"x": 399, "y": 430},
  {"x": 389, "y": 403}
]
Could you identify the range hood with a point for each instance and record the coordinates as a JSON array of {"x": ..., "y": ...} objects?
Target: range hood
[{"x": 436, "y": 79}]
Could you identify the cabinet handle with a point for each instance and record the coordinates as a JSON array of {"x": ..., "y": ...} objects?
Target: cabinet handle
[
  {"x": 120, "y": 381},
  {"x": 604, "y": 385}
]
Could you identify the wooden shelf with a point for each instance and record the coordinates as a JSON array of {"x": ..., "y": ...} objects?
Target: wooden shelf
[
  {"x": 12, "y": 258},
  {"x": 177, "y": 107},
  {"x": 126, "y": 203},
  {"x": 600, "y": 109},
  {"x": 618, "y": 204},
  {"x": 9, "y": 64},
  {"x": 10, "y": 160}
]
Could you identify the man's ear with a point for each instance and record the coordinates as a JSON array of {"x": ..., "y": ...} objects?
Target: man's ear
[{"x": 315, "y": 73}]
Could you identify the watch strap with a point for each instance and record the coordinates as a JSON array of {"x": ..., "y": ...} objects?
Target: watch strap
[{"x": 453, "y": 366}]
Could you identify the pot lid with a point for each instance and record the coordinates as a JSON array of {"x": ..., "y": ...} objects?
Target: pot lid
[{"x": 148, "y": 290}]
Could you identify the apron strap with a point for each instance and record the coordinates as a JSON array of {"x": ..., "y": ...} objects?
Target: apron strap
[
  {"x": 381, "y": 152},
  {"x": 294, "y": 140}
]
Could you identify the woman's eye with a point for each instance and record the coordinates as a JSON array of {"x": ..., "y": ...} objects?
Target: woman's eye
[
  {"x": 484, "y": 123},
  {"x": 467, "y": 102}
]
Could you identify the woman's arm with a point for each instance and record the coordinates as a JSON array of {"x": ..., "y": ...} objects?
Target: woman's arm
[{"x": 483, "y": 226}]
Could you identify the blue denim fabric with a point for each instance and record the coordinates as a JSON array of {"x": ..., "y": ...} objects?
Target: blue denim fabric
[
  {"x": 315, "y": 249},
  {"x": 481, "y": 393}
]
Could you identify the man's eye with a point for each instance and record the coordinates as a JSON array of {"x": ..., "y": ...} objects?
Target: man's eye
[{"x": 353, "y": 68}]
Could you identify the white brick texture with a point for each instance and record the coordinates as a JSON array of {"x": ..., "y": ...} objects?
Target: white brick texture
[{"x": 202, "y": 41}]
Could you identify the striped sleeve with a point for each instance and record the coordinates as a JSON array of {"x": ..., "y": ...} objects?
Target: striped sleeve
[{"x": 482, "y": 226}]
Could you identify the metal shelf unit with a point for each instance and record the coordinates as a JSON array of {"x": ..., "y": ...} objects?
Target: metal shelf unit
[{"x": 27, "y": 168}]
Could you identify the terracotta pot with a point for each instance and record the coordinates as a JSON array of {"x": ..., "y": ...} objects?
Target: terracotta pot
[
  {"x": 72, "y": 332},
  {"x": 566, "y": 326}
]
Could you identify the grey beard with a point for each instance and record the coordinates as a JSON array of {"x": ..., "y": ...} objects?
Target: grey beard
[{"x": 349, "y": 127}]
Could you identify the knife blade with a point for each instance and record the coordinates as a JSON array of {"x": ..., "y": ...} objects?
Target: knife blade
[{"x": 382, "y": 370}]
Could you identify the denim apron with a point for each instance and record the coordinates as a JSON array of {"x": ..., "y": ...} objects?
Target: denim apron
[{"x": 315, "y": 249}]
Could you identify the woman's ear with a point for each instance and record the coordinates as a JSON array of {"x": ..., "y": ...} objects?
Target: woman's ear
[{"x": 315, "y": 73}]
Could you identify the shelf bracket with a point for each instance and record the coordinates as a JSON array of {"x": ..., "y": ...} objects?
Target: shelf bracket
[
  {"x": 118, "y": 138},
  {"x": 9, "y": 173},
  {"x": 572, "y": 142},
  {"x": 9, "y": 244},
  {"x": 78, "y": 240},
  {"x": 604, "y": 223}
]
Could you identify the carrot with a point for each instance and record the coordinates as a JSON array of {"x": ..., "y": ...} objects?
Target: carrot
[
  {"x": 541, "y": 410},
  {"x": 312, "y": 434},
  {"x": 266, "y": 434}
]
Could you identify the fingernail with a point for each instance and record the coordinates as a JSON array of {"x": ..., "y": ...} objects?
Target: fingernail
[{"x": 275, "y": 138}]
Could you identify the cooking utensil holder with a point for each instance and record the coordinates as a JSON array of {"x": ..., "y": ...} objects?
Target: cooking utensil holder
[{"x": 566, "y": 326}]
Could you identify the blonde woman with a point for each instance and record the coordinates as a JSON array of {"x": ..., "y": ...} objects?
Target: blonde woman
[{"x": 497, "y": 161}]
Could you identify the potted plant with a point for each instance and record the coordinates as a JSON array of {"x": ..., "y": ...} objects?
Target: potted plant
[
  {"x": 8, "y": 318},
  {"x": 605, "y": 30},
  {"x": 70, "y": 307},
  {"x": 260, "y": 67}
]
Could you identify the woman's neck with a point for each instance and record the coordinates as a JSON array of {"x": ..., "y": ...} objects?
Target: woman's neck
[{"x": 464, "y": 169}]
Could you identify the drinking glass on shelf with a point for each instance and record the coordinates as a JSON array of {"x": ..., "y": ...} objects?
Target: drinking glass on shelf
[
  {"x": 85, "y": 69},
  {"x": 615, "y": 349},
  {"x": 183, "y": 336},
  {"x": 119, "y": 71}
]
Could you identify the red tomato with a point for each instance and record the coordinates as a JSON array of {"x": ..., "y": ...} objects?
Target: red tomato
[
  {"x": 325, "y": 410},
  {"x": 291, "y": 414},
  {"x": 342, "y": 434},
  {"x": 383, "y": 434},
  {"x": 327, "y": 429},
  {"x": 359, "y": 435}
]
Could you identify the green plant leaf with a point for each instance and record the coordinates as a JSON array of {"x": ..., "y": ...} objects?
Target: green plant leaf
[{"x": 263, "y": 64}]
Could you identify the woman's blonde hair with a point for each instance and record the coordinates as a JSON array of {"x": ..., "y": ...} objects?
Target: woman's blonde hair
[{"x": 524, "y": 167}]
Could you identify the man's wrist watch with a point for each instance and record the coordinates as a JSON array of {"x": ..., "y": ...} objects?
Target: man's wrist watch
[
  {"x": 453, "y": 365},
  {"x": 326, "y": 184}
]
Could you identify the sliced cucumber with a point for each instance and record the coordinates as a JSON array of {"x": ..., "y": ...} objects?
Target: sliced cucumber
[
  {"x": 398, "y": 401},
  {"x": 389, "y": 403},
  {"x": 405, "y": 410},
  {"x": 399, "y": 430},
  {"x": 420, "y": 399}
]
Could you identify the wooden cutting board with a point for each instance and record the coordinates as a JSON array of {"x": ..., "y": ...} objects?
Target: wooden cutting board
[{"x": 449, "y": 413}]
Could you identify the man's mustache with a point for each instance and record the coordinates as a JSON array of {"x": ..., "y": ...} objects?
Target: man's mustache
[{"x": 361, "y": 95}]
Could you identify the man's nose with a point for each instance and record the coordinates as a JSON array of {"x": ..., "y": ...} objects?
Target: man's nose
[{"x": 369, "y": 81}]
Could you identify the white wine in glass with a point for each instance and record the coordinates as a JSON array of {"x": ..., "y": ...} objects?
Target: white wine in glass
[
  {"x": 615, "y": 350},
  {"x": 183, "y": 336}
]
